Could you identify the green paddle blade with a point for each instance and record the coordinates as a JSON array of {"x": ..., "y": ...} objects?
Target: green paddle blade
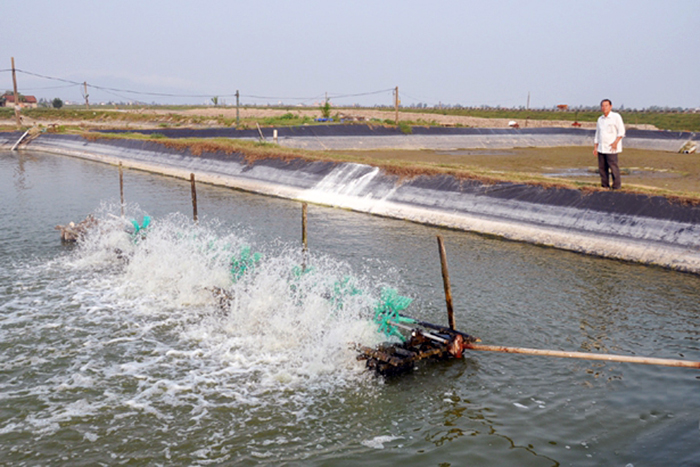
[
  {"x": 387, "y": 310},
  {"x": 245, "y": 262}
]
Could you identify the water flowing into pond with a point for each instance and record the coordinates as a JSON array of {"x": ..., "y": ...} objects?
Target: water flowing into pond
[{"x": 117, "y": 350}]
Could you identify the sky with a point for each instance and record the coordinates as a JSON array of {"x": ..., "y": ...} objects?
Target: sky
[{"x": 473, "y": 53}]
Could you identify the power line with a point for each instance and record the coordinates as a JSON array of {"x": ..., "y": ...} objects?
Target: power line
[
  {"x": 280, "y": 98},
  {"x": 118, "y": 95},
  {"x": 339, "y": 96},
  {"x": 419, "y": 99},
  {"x": 116, "y": 91},
  {"x": 159, "y": 94},
  {"x": 46, "y": 77},
  {"x": 51, "y": 87},
  {"x": 111, "y": 90},
  {"x": 104, "y": 88},
  {"x": 130, "y": 91}
]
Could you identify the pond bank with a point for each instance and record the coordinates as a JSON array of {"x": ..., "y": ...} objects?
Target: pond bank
[
  {"x": 633, "y": 227},
  {"x": 322, "y": 137}
]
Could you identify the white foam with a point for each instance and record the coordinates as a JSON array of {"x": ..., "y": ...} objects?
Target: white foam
[
  {"x": 133, "y": 329},
  {"x": 379, "y": 441}
]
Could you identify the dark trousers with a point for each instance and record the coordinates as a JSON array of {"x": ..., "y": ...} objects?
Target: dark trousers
[{"x": 609, "y": 162}]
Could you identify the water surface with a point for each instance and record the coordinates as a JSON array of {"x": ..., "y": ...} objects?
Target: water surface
[{"x": 110, "y": 358}]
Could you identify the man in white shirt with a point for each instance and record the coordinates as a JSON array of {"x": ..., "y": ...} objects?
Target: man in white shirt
[{"x": 608, "y": 144}]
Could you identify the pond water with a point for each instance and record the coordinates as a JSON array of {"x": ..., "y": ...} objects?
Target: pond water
[{"x": 116, "y": 351}]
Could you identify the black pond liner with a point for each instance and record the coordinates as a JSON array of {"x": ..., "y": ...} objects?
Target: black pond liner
[{"x": 380, "y": 130}]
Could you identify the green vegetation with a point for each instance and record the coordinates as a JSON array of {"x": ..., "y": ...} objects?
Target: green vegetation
[
  {"x": 187, "y": 116},
  {"x": 405, "y": 127},
  {"x": 288, "y": 119},
  {"x": 118, "y": 118},
  {"x": 326, "y": 109},
  {"x": 57, "y": 103},
  {"x": 674, "y": 121},
  {"x": 90, "y": 115}
]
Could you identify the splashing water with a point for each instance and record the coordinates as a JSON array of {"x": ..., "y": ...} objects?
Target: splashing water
[
  {"x": 298, "y": 323},
  {"x": 165, "y": 324}
]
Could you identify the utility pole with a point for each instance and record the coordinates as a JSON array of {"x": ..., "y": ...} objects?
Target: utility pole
[
  {"x": 14, "y": 84},
  {"x": 528, "y": 100},
  {"x": 87, "y": 104},
  {"x": 238, "y": 118},
  {"x": 396, "y": 103}
]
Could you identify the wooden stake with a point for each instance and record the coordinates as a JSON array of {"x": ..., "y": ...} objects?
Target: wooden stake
[
  {"x": 584, "y": 355},
  {"x": 396, "y": 103},
  {"x": 238, "y": 120},
  {"x": 304, "y": 241},
  {"x": 194, "y": 198},
  {"x": 121, "y": 186},
  {"x": 446, "y": 282},
  {"x": 18, "y": 118}
]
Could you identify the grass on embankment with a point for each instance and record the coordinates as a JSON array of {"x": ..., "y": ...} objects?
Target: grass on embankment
[
  {"x": 147, "y": 115},
  {"x": 672, "y": 121},
  {"x": 73, "y": 119},
  {"x": 674, "y": 176}
]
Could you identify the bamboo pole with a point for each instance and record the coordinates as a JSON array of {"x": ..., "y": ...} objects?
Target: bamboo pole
[
  {"x": 396, "y": 104},
  {"x": 446, "y": 283},
  {"x": 121, "y": 186},
  {"x": 87, "y": 102},
  {"x": 584, "y": 355},
  {"x": 304, "y": 240},
  {"x": 194, "y": 198},
  {"x": 238, "y": 116}
]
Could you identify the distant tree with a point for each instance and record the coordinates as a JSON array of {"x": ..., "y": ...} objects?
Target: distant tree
[
  {"x": 57, "y": 103},
  {"x": 326, "y": 109},
  {"x": 215, "y": 100}
]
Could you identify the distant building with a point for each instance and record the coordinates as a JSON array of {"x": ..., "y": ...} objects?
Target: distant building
[
  {"x": 563, "y": 107},
  {"x": 28, "y": 102}
]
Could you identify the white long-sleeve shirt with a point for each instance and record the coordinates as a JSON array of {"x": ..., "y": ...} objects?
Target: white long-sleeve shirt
[{"x": 606, "y": 132}]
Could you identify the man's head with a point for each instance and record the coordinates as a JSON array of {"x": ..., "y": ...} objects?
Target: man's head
[{"x": 606, "y": 106}]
